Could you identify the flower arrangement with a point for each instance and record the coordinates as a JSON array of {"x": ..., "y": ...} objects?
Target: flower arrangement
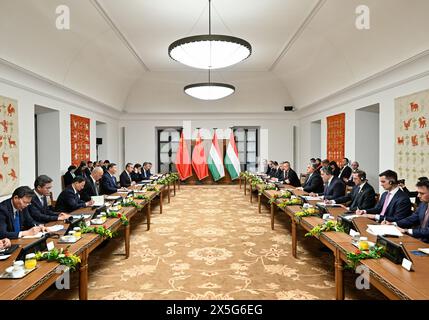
[
  {"x": 291, "y": 202},
  {"x": 101, "y": 230},
  {"x": 133, "y": 204},
  {"x": 329, "y": 225},
  {"x": 307, "y": 213},
  {"x": 115, "y": 214},
  {"x": 285, "y": 195},
  {"x": 354, "y": 258},
  {"x": 142, "y": 197},
  {"x": 152, "y": 188},
  {"x": 63, "y": 257},
  {"x": 255, "y": 181}
]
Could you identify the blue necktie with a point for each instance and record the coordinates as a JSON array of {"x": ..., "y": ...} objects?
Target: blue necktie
[{"x": 17, "y": 222}]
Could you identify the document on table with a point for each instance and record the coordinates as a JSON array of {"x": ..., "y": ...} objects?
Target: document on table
[
  {"x": 328, "y": 204},
  {"x": 38, "y": 235},
  {"x": 98, "y": 200},
  {"x": 424, "y": 250},
  {"x": 350, "y": 217},
  {"x": 55, "y": 228},
  {"x": 309, "y": 198},
  {"x": 383, "y": 229}
]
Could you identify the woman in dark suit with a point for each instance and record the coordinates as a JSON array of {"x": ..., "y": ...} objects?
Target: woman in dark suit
[{"x": 335, "y": 168}]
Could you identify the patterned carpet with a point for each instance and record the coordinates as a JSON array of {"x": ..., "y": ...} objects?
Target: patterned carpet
[{"x": 211, "y": 243}]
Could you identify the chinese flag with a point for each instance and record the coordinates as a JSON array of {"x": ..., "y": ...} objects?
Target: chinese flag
[
  {"x": 183, "y": 161},
  {"x": 199, "y": 162}
]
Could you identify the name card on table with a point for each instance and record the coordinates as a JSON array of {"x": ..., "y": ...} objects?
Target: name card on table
[{"x": 407, "y": 264}]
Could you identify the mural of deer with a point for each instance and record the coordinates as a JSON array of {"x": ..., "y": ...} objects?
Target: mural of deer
[
  {"x": 12, "y": 174},
  {"x": 5, "y": 158},
  {"x": 10, "y": 110},
  {"x": 407, "y": 124},
  {"x": 5, "y": 125},
  {"x": 414, "y": 141},
  {"x": 414, "y": 107},
  {"x": 422, "y": 122},
  {"x": 401, "y": 140},
  {"x": 12, "y": 143}
]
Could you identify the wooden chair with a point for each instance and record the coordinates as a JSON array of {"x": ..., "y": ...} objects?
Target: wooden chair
[
  {"x": 302, "y": 177},
  {"x": 52, "y": 202},
  {"x": 62, "y": 183}
]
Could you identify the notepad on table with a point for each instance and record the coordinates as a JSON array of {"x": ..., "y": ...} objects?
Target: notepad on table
[
  {"x": 98, "y": 200},
  {"x": 424, "y": 250},
  {"x": 309, "y": 198},
  {"x": 36, "y": 236},
  {"x": 383, "y": 230},
  {"x": 55, "y": 228}
]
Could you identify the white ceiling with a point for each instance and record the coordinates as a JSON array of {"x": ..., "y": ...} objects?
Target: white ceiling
[{"x": 303, "y": 50}]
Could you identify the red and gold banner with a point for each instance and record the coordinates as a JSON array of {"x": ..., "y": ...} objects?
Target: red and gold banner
[
  {"x": 80, "y": 139},
  {"x": 336, "y": 137}
]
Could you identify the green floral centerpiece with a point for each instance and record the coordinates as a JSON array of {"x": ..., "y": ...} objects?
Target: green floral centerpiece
[
  {"x": 307, "y": 213},
  {"x": 354, "y": 258},
  {"x": 329, "y": 225},
  {"x": 291, "y": 202},
  {"x": 115, "y": 214},
  {"x": 284, "y": 195},
  {"x": 142, "y": 197},
  {"x": 101, "y": 230},
  {"x": 152, "y": 188},
  {"x": 132, "y": 204},
  {"x": 267, "y": 186},
  {"x": 63, "y": 257}
]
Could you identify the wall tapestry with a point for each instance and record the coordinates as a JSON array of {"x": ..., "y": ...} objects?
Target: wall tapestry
[
  {"x": 9, "y": 147},
  {"x": 80, "y": 139},
  {"x": 412, "y": 137},
  {"x": 336, "y": 137}
]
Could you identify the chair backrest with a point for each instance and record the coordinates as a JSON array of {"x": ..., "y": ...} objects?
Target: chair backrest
[
  {"x": 302, "y": 177},
  {"x": 377, "y": 197},
  {"x": 348, "y": 189},
  {"x": 52, "y": 202},
  {"x": 62, "y": 183}
]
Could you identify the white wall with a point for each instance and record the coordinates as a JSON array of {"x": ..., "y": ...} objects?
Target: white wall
[
  {"x": 140, "y": 133},
  {"x": 29, "y": 90},
  {"x": 403, "y": 80},
  {"x": 49, "y": 147},
  {"x": 316, "y": 131},
  {"x": 368, "y": 144}
]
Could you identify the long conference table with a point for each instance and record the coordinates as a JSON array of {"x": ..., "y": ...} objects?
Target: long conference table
[
  {"x": 47, "y": 273},
  {"x": 394, "y": 281}
]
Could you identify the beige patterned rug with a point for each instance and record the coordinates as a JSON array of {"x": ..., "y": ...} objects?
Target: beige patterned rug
[{"x": 211, "y": 243}]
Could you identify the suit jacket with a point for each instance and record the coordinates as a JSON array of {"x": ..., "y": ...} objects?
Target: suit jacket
[
  {"x": 108, "y": 184},
  {"x": 124, "y": 179},
  {"x": 399, "y": 207},
  {"x": 313, "y": 183},
  {"x": 268, "y": 170},
  {"x": 146, "y": 174},
  {"x": 41, "y": 212},
  {"x": 89, "y": 190},
  {"x": 335, "y": 189},
  {"x": 345, "y": 173},
  {"x": 87, "y": 173},
  {"x": 7, "y": 229},
  {"x": 137, "y": 177},
  {"x": 69, "y": 201},
  {"x": 291, "y": 176},
  {"x": 365, "y": 199},
  {"x": 415, "y": 221},
  {"x": 68, "y": 179}
]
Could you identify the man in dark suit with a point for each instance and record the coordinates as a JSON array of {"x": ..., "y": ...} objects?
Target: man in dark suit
[
  {"x": 394, "y": 204},
  {"x": 355, "y": 168},
  {"x": 289, "y": 176},
  {"x": 15, "y": 220},
  {"x": 274, "y": 172},
  {"x": 136, "y": 175},
  {"x": 105, "y": 166},
  {"x": 345, "y": 171},
  {"x": 91, "y": 185},
  {"x": 125, "y": 179},
  {"x": 69, "y": 175},
  {"x": 361, "y": 197},
  {"x": 334, "y": 187},
  {"x": 417, "y": 225},
  {"x": 270, "y": 165},
  {"x": 313, "y": 182},
  {"x": 108, "y": 183},
  {"x": 89, "y": 168},
  {"x": 39, "y": 209},
  {"x": 146, "y": 174},
  {"x": 69, "y": 200}
]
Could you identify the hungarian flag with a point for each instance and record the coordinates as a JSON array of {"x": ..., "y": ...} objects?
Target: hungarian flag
[
  {"x": 199, "y": 159},
  {"x": 232, "y": 163},
  {"x": 183, "y": 161},
  {"x": 215, "y": 160}
]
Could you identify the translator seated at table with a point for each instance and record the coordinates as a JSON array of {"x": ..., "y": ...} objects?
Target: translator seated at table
[
  {"x": 39, "y": 209},
  {"x": 69, "y": 200},
  {"x": 125, "y": 179},
  {"x": 416, "y": 225},
  {"x": 15, "y": 219},
  {"x": 394, "y": 204},
  {"x": 362, "y": 195}
]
